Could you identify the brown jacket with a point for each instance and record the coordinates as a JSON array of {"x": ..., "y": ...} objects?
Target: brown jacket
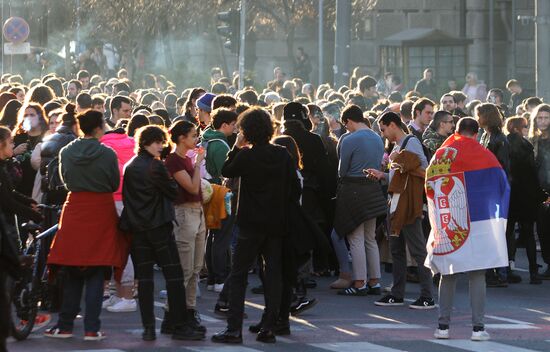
[{"x": 408, "y": 181}]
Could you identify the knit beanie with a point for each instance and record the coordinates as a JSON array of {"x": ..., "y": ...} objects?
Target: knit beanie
[{"x": 205, "y": 102}]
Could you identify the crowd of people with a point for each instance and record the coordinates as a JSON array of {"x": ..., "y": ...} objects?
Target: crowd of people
[{"x": 293, "y": 181}]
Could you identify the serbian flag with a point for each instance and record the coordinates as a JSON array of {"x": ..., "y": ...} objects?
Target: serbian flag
[{"x": 468, "y": 198}]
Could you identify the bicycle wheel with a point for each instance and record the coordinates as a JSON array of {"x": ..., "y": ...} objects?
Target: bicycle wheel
[{"x": 23, "y": 298}]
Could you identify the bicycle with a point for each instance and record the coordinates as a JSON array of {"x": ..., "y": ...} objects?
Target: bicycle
[{"x": 29, "y": 292}]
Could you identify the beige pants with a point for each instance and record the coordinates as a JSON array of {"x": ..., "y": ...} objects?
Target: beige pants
[
  {"x": 364, "y": 249},
  {"x": 190, "y": 233}
]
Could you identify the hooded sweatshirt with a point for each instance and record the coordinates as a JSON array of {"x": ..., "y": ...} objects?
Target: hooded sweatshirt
[
  {"x": 86, "y": 165},
  {"x": 124, "y": 149},
  {"x": 216, "y": 153}
]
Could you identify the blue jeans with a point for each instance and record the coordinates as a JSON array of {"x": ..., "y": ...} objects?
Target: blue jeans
[{"x": 74, "y": 281}]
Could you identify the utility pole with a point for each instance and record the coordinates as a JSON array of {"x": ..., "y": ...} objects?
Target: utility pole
[
  {"x": 243, "y": 41},
  {"x": 321, "y": 42},
  {"x": 342, "y": 45},
  {"x": 491, "y": 43},
  {"x": 542, "y": 48}
]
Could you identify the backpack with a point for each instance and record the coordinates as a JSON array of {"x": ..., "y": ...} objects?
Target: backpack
[
  {"x": 425, "y": 150},
  {"x": 53, "y": 178},
  {"x": 205, "y": 145}
]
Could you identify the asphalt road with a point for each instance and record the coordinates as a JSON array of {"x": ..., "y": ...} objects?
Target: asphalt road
[{"x": 517, "y": 317}]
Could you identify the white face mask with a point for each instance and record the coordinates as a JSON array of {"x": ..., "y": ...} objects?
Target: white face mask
[{"x": 27, "y": 125}]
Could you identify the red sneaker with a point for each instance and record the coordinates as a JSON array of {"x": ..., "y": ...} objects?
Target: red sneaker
[
  {"x": 57, "y": 333},
  {"x": 41, "y": 321},
  {"x": 94, "y": 336}
]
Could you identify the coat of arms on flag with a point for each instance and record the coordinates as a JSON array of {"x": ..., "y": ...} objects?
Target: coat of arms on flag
[{"x": 468, "y": 197}]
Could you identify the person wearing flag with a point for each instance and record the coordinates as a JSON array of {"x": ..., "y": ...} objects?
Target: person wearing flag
[{"x": 468, "y": 197}]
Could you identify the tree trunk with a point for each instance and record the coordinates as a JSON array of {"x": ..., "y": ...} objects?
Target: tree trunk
[
  {"x": 168, "y": 55},
  {"x": 290, "y": 36}
]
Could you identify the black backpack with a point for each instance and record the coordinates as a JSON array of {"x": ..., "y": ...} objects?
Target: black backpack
[{"x": 53, "y": 178}]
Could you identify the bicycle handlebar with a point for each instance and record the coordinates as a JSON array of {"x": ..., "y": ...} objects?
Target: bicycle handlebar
[{"x": 49, "y": 232}]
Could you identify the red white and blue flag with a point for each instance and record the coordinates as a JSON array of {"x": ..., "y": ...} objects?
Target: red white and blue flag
[{"x": 468, "y": 198}]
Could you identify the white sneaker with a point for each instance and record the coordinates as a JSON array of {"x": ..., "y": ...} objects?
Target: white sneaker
[
  {"x": 124, "y": 305},
  {"x": 218, "y": 288},
  {"x": 110, "y": 301},
  {"x": 480, "y": 336},
  {"x": 441, "y": 334}
]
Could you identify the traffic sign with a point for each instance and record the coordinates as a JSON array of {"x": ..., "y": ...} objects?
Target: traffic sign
[
  {"x": 17, "y": 48},
  {"x": 16, "y": 30}
]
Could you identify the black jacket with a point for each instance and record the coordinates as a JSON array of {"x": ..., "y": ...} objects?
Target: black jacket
[
  {"x": 268, "y": 184},
  {"x": 53, "y": 144},
  {"x": 498, "y": 145},
  {"x": 526, "y": 194},
  {"x": 50, "y": 149},
  {"x": 147, "y": 194},
  {"x": 13, "y": 202},
  {"x": 319, "y": 183}
]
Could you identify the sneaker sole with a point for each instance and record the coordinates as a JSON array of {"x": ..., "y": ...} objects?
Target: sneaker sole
[
  {"x": 59, "y": 336},
  {"x": 382, "y": 304},
  {"x": 422, "y": 307},
  {"x": 480, "y": 339},
  {"x": 441, "y": 337},
  {"x": 122, "y": 310}
]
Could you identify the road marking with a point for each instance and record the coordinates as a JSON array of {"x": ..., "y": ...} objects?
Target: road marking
[
  {"x": 510, "y": 326},
  {"x": 514, "y": 324},
  {"x": 347, "y": 332},
  {"x": 391, "y": 326},
  {"x": 384, "y": 318},
  {"x": 221, "y": 349},
  {"x": 480, "y": 346},
  {"x": 508, "y": 320},
  {"x": 210, "y": 319},
  {"x": 536, "y": 311},
  {"x": 294, "y": 319},
  {"x": 103, "y": 350},
  {"x": 354, "y": 346}
]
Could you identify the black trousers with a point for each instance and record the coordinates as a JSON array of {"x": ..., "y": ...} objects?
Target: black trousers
[
  {"x": 526, "y": 232},
  {"x": 158, "y": 246},
  {"x": 250, "y": 244},
  {"x": 218, "y": 252}
]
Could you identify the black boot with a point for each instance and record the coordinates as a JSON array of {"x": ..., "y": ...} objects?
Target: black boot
[
  {"x": 266, "y": 336},
  {"x": 228, "y": 336},
  {"x": 282, "y": 327},
  {"x": 167, "y": 327},
  {"x": 513, "y": 278},
  {"x": 534, "y": 277},
  {"x": 149, "y": 333},
  {"x": 195, "y": 321},
  {"x": 187, "y": 333}
]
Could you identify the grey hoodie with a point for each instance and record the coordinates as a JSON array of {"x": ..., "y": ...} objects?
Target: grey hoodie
[{"x": 86, "y": 165}]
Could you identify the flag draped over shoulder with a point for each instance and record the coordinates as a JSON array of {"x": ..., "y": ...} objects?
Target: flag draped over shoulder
[{"x": 468, "y": 198}]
